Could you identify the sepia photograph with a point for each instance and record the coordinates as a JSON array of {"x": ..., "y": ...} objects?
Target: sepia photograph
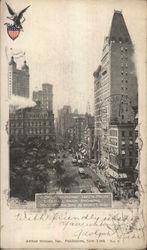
[{"x": 69, "y": 147}]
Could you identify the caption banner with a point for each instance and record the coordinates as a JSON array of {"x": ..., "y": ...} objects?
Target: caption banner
[{"x": 99, "y": 200}]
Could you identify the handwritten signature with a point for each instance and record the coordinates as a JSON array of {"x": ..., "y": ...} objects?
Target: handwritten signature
[{"x": 90, "y": 226}]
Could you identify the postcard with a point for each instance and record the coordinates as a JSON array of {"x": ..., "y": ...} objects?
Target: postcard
[{"x": 73, "y": 124}]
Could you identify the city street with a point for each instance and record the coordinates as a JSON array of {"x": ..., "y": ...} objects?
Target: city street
[
  {"x": 77, "y": 183},
  {"x": 70, "y": 180}
]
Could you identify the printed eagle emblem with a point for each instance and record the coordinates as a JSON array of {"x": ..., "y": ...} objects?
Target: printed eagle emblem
[{"x": 14, "y": 29}]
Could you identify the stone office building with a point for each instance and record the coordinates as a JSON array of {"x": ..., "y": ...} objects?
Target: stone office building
[
  {"x": 116, "y": 103},
  {"x": 31, "y": 122}
]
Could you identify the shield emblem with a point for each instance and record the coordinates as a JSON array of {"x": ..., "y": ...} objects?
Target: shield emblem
[{"x": 13, "y": 31}]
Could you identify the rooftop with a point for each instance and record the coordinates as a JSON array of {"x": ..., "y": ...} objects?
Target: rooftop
[{"x": 118, "y": 31}]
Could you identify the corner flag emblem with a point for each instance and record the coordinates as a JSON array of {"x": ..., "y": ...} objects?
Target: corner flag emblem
[
  {"x": 13, "y": 31},
  {"x": 18, "y": 19}
]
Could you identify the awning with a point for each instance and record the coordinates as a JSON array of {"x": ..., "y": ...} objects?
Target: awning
[
  {"x": 137, "y": 181},
  {"x": 137, "y": 128},
  {"x": 137, "y": 167},
  {"x": 99, "y": 162},
  {"x": 122, "y": 176},
  {"x": 115, "y": 174},
  {"x": 112, "y": 173}
]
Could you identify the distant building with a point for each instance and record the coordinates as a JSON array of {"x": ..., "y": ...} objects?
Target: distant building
[
  {"x": 116, "y": 103},
  {"x": 45, "y": 96},
  {"x": 75, "y": 111},
  {"x": 79, "y": 127},
  {"x": 89, "y": 136},
  {"x": 64, "y": 120},
  {"x": 31, "y": 122},
  {"x": 84, "y": 124},
  {"x": 74, "y": 128},
  {"x": 18, "y": 79}
]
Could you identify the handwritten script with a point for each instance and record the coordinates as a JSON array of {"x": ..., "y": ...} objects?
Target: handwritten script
[{"x": 117, "y": 224}]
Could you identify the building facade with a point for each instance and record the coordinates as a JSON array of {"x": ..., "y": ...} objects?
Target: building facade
[
  {"x": 64, "y": 121},
  {"x": 89, "y": 135},
  {"x": 79, "y": 127},
  {"x": 84, "y": 131},
  {"x": 18, "y": 80},
  {"x": 45, "y": 96},
  {"x": 116, "y": 102},
  {"x": 32, "y": 122}
]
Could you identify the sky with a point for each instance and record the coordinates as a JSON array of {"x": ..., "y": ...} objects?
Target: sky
[{"x": 63, "y": 41}]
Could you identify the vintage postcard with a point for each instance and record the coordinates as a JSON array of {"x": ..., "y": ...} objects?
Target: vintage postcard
[{"x": 73, "y": 124}]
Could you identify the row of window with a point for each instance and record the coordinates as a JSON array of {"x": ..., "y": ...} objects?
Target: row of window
[
  {"x": 122, "y": 88},
  {"x": 103, "y": 90},
  {"x": 120, "y": 40},
  {"x": 125, "y": 133},
  {"x": 98, "y": 99},
  {"x": 16, "y": 124},
  {"x": 113, "y": 160},
  {"x": 124, "y": 162},
  {"x": 38, "y": 123},
  {"x": 16, "y": 116},
  {"x": 124, "y": 80},
  {"x": 98, "y": 85},
  {"x": 113, "y": 141},
  {"x": 124, "y": 65},
  {"x": 124, "y": 49},
  {"x": 124, "y": 57},
  {"x": 97, "y": 106},
  {"x": 31, "y": 131},
  {"x": 113, "y": 150},
  {"x": 124, "y": 73},
  {"x": 113, "y": 132},
  {"x": 16, "y": 131},
  {"x": 37, "y": 115},
  {"x": 38, "y": 131},
  {"x": 124, "y": 153},
  {"x": 98, "y": 124}
]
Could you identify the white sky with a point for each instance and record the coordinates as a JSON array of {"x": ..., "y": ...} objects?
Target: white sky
[{"x": 63, "y": 41}]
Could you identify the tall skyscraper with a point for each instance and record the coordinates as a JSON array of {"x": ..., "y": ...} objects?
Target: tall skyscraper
[
  {"x": 45, "y": 96},
  {"x": 18, "y": 79},
  {"x": 116, "y": 102}
]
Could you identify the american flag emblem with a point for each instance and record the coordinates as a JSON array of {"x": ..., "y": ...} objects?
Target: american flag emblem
[{"x": 13, "y": 31}]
